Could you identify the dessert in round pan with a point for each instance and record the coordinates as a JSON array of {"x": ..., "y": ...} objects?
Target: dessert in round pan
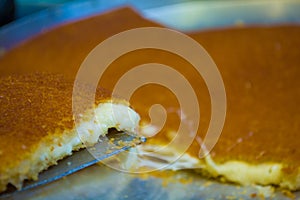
[{"x": 259, "y": 66}]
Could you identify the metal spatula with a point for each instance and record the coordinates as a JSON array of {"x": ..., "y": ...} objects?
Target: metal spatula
[{"x": 113, "y": 143}]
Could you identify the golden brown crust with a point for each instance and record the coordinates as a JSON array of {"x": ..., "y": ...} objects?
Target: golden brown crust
[
  {"x": 260, "y": 69},
  {"x": 17, "y": 146},
  {"x": 32, "y": 107},
  {"x": 37, "y": 122},
  {"x": 259, "y": 65}
]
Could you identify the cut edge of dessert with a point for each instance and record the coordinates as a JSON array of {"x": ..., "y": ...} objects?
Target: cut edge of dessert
[
  {"x": 244, "y": 173},
  {"x": 234, "y": 171},
  {"x": 56, "y": 146}
]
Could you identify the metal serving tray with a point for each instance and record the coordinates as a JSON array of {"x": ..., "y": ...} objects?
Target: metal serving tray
[{"x": 100, "y": 182}]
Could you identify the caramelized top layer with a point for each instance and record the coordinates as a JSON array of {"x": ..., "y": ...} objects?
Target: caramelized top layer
[
  {"x": 259, "y": 65},
  {"x": 260, "y": 68},
  {"x": 31, "y": 107}
]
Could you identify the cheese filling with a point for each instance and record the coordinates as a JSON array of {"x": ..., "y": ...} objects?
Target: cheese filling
[
  {"x": 52, "y": 148},
  {"x": 234, "y": 171}
]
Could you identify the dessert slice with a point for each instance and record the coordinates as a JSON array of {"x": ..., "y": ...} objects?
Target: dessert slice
[{"x": 37, "y": 125}]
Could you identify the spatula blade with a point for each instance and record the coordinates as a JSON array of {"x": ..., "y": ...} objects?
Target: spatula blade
[{"x": 113, "y": 143}]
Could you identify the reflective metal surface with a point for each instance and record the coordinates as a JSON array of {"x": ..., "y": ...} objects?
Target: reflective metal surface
[
  {"x": 82, "y": 159},
  {"x": 100, "y": 182},
  {"x": 193, "y": 16},
  {"x": 184, "y": 16}
]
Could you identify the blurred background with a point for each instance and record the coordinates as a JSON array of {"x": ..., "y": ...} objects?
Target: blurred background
[
  {"x": 15, "y": 9},
  {"x": 31, "y": 17}
]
